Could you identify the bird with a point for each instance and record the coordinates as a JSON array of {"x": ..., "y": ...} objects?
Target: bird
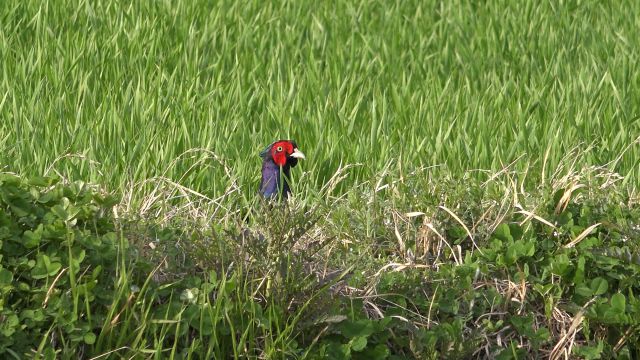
[{"x": 277, "y": 161}]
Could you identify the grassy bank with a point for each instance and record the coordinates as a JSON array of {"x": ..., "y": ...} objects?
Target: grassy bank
[{"x": 423, "y": 269}]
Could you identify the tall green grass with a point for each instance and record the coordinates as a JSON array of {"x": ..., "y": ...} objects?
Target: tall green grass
[{"x": 115, "y": 91}]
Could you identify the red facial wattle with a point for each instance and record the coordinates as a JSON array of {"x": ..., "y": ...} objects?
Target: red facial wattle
[{"x": 280, "y": 151}]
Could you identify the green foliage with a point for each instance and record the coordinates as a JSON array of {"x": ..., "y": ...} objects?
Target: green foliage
[
  {"x": 72, "y": 282},
  {"x": 356, "y": 339},
  {"x": 58, "y": 253},
  {"x": 517, "y": 293},
  {"x": 70, "y": 286}
]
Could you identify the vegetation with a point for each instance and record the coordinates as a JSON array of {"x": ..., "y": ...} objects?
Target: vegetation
[{"x": 470, "y": 188}]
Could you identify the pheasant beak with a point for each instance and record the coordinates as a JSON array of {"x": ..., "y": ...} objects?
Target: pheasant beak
[{"x": 297, "y": 154}]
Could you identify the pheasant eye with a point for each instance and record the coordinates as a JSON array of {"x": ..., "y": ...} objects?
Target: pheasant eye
[{"x": 279, "y": 148}]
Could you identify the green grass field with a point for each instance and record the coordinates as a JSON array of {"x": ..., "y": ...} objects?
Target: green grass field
[
  {"x": 130, "y": 87},
  {"x": 444, "y": 139}
]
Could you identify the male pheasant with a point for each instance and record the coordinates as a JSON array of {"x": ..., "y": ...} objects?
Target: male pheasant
[{"x": 277, "y": 161}]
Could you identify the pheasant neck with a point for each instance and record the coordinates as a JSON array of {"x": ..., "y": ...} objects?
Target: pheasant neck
[{"x": 271, "y": 178}]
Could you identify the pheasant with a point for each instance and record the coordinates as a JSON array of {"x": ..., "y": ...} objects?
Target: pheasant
[{"x": 277, "y": 161}]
